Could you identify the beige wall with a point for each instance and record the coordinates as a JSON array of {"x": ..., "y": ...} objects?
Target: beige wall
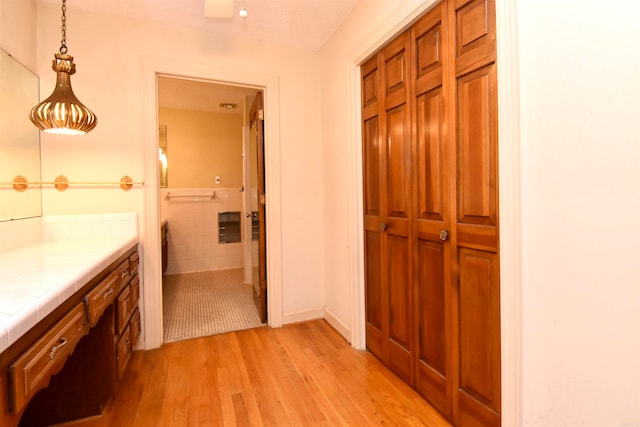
[{"x": 202, "y": 145}]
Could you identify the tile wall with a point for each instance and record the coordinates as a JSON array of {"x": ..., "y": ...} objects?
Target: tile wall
[
  {"x": 14, "y": 234},
  {"x": 192, "y": 218}
]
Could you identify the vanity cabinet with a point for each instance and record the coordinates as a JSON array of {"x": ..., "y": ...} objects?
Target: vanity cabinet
[
  {"x": 44, "y": 358},
  {"x": 69, "y": 365},
  {"x": 164, "y": 245}
]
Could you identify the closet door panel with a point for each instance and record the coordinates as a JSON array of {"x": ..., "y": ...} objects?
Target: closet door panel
[
  {"x": 371, "y": 164},
  {"x": 400, "y": 301},
  {"x": 373, "y": 182},
  {"x": 375, "y": 311},
  {"x": 398, "y": 205},
  {"x": 431, "y": 186},
  {"x": 476, "y": 289},
  {"x": 475, "y": 34},
  {"x": 478, "y": 320},
  {"x": 433, "y": 355},
  {"x": 432, "y": 161},
  {"x": 477, "y": 143},
  {"x": 398, "y": 171},
  {"x": 395, "y": 71}
]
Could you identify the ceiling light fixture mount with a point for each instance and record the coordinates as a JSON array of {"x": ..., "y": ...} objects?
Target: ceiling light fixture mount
[
  {"x": 62, "y": 113},
  {"x": 228, "y": 105}
]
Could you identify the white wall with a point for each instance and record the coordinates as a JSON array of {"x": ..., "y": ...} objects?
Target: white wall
[
  {"x": 367, "y": 27},
  {"x": 580, "y": 86},
  {"x": 108, "y": 52},
  {"x": 18, "y": 30}
]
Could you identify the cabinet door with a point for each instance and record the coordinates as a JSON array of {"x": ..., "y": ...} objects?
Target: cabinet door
[
  {"x": 124, "y": 308},
  {"x": 124, "y": 348}
]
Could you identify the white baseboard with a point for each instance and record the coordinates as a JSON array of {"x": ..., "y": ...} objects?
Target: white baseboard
[
  {"x": 318, "y": 313},
  {"x": 303, "y": 316},
  {"x": 338, "y": 325}
]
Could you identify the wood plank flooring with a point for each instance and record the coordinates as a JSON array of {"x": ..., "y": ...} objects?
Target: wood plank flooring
[{"x": 299, "y": 375}]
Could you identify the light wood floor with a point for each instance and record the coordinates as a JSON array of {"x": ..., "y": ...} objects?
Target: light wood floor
[{"x": 299, "y": 375}]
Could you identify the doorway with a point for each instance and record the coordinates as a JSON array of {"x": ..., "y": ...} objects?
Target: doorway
[{"x": 209, "y": 206}]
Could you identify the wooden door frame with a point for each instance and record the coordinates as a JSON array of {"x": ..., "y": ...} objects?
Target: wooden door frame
[
  {"x": 149, "y": 222},
  {"x": 509, "y": 200}
]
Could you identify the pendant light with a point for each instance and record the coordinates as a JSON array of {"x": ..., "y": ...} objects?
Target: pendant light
[{"x": 61, "y": 112}]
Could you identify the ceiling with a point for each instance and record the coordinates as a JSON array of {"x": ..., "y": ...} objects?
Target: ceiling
[
  {"x": 304, "y": 24},
  {"x": 201, "y": 95}
]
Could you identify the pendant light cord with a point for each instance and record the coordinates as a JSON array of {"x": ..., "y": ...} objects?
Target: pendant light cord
[{"x": 63, "y": 45}]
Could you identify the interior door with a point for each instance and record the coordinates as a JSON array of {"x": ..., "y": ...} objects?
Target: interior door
[{"x": 256, "y": 115}]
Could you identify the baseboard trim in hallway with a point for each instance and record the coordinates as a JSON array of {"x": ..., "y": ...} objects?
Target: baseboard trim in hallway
[{"x": 207, "y": 303}]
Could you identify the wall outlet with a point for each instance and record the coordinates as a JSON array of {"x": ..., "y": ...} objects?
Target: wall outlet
[{"x": 217, "y": 180}]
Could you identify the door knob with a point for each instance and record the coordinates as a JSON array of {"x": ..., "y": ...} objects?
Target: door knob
[
  {"x": 383, "y": 226},
  {"x": 444, "y": 234}
]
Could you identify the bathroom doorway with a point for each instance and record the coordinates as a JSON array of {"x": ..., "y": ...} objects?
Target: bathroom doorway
[{"x": 209, "y": 207}]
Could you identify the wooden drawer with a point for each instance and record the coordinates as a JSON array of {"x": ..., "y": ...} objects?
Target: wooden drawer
[
  {"x": 124, "y": 348},
  {"x": 135, "y": 291},
  {"x": 124, "y": 307},
  {"x": 32, "y": 370},
  {"x": 103, "y": 295},
  {"x": 136, "y": 328},
  {"x": 134, "y": 262}
]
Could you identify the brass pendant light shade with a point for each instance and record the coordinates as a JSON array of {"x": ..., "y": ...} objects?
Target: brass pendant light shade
[{"x": 61, "y": 112}]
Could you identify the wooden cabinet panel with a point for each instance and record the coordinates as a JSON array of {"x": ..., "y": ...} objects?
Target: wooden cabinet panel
[
  {"x": 124, "y": 308},
  {"x": 105, "y": 293},
  {"x": 124, "y": 349},
  {"x": 136, "y": 328},
  {"x": 65, "y": 368},
  {"x": 33, "y": 369},
  {"x": 135, "y": 291}
]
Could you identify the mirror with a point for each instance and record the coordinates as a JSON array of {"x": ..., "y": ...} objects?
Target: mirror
[
  {"x": 19, "y": 140},
  {"x": 162, "y": 156}
]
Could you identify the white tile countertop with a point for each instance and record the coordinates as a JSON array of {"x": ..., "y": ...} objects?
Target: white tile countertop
[{"x": 38, "y": 277}]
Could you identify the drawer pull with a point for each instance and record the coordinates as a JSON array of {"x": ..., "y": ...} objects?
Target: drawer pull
[
  {"x": 124, "y": 273},
  {"x": 107, "y": 293},
  {"x": 55, "y": 348}
]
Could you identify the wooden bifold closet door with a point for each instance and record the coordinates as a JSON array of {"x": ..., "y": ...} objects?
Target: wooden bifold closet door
[{"x": 429, "y": 126}]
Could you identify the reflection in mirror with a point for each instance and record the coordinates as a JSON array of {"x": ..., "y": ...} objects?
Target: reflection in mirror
[
  {"x": 19, "y": 140},
  {"x": 162, "y": 153}
]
